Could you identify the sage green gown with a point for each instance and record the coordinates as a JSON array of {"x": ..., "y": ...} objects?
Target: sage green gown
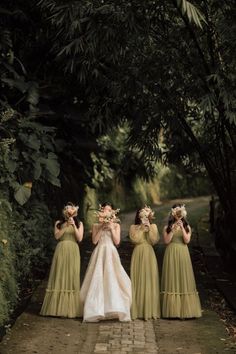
[
  {"x": 179, "y": 295},
  {"x": 63, "y": 288},
  {"x": 144, "y": 274}
]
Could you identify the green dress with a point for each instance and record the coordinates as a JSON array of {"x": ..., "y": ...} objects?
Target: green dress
[
  {"x": 62, "y": 293},
  {"x": 144, "y": 274},
  {"x": 178, "y": 288}
]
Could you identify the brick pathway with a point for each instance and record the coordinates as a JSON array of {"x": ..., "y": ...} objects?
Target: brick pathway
[{"x": 40, "y": 335}]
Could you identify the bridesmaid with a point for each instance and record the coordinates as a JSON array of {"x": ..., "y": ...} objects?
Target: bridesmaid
[
  {"x": 62, "y": 293},
  {"x": 178, "y": 288},
  {"x": 144, "y": 268}
]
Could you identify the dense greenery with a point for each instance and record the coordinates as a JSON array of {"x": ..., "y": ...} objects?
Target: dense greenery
[{"x": 95, "y": 95}]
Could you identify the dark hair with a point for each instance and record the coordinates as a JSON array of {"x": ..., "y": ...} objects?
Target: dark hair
[
  {"x": 70, "y": 204},
  {"x": 107, "y": 203},
  {"x": 137, "y": 220},
  {"x": 172, "y": 220},
  {"x": 63, "y": 219}
]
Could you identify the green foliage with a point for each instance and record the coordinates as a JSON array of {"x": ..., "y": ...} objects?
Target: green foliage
[
  {"x": 126, "y": 197},
  {"x": 27, "y": 163},
  {"x": 33, "y": 240},
  {"x": 191, "y": 12},
  {"x": 8, "y": 277},
  {"x": 22, "y": 194},
  {"x": 26, "y": 247},
  {"x": 28, "y": 155},
  {"x": 175, "y": 182}
]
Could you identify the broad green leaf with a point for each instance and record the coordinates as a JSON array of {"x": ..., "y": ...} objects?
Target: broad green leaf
[
  {"x": 52, "y": 166},
  {"x": 22, "y": 194},
  {"x": 37, "y": 169},
  {"x": 33, "y": 142},
  {"x": 53, "y": 180}
]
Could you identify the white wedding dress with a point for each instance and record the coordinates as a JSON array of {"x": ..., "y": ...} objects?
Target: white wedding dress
[{"x": 106, "y": 289}]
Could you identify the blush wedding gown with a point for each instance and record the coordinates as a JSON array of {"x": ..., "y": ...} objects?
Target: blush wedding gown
[{"x": 106, "y": 289}]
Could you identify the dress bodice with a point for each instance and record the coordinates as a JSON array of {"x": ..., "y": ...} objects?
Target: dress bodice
[
  {"x": 177, "y": 236},
  {"x": 106, "y": 238},
  {"x": 69, "y": 234}
]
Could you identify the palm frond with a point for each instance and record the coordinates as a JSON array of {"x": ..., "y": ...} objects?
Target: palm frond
[{"x": 191, "y": 12}]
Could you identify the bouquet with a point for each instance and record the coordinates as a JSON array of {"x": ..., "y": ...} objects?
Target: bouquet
[
  {"x": 179, "y": 212},
  {"x": 146, "y": 214},
  {"x": 105, "y": 216},
  {"x": 70, "y": 211}
]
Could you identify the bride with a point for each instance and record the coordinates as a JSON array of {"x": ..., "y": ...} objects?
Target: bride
[{"x": 106, "y": 289}]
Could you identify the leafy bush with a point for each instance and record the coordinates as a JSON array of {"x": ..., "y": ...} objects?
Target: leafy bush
[
  {"x": 8, "y": 278},
  {"x": 26, "y": 246},
  {"x": 33, "y": 240},
  {"x": 174, "y": 183}
]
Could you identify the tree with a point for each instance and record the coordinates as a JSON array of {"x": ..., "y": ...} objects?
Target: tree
[
  {"x": 168, "y": 69},
  {"x": 195, "y": 101}
]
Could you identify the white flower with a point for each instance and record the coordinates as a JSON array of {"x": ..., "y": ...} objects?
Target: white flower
[
  {"x": 105, "y": 216},
  {"x": 146, "y": 213},
  {"x": 70, "y": 211},
  {"x": 179, "y": 212}
]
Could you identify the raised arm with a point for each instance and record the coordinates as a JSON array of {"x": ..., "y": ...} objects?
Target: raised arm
[
  {"x": 96, "y": 232},
  {"x": 153, "y": 234},
  {"x": 79, "y": 231},
  {"x": 135, "y": 233},
  {"x": 167, "y": 235},
  {"x": 186, "y": 235},
  {"x": 115, "y": 232},
  {"x": 58, "y": 233}
]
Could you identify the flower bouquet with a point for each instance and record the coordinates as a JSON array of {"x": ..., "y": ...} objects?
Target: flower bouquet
[
  {"x": 105, "y": 216},
  {"x": 179, "y": 212},
  {"x": 70, "y": 211},
  {"x": 146, "y": 214}
]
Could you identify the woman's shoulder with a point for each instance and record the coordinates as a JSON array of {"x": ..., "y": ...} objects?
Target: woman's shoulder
[
  {"x": 96, "y": 226},
  {"x": 189, "y": 228},
  {"x": 165, "y": 228},
  {"x": 134, "y": 227},
  {"x": 153, "y": 226}
]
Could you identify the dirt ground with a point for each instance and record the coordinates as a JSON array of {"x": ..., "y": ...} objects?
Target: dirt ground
[{"x": 207, "y": 335}]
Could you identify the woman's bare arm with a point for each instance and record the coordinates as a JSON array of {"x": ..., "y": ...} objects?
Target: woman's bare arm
[
  {"x": 96, "y": 232},
  {"x": 167, "y": 235},
  {"x": 58, "y": 233}
]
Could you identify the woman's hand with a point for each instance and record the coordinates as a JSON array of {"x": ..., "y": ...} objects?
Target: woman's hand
[
  {"x": 145, "y": 225},
  {"x": 104, "y": 226},
  {"x": 180, "y": 223},
  {"x": 71, "y": 221},
  {"x": 108, "y": 226}
]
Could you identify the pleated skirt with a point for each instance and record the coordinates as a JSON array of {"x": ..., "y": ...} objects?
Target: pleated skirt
[
  {"x": 62, "y": 296},
  {"x": 179, "y": 296},
  {"x": 145, "y": 283}
]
